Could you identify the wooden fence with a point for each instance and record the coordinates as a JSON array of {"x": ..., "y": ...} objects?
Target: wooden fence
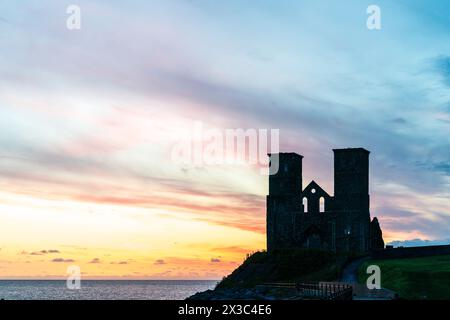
[{"x": 319, "y": 291}]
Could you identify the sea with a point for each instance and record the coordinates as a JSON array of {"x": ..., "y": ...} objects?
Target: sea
[{"x": 103, "y": 289}]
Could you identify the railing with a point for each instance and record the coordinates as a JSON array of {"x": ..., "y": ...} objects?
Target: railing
[
  {"x": 320, "y": 291},
  {"x": 326, "y": 291}
]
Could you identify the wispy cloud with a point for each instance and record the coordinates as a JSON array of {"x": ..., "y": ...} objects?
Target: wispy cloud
[
  {"x": 62, "y": 260},
  {"x": 41, "y": 252},
  {"x": 95, "y": 260},
  {"x": 443, "y": 68}
]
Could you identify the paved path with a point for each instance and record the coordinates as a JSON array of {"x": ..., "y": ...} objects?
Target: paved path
[
  {"x": 360, "y": 291},
  {"x": 350, "y": 272}
]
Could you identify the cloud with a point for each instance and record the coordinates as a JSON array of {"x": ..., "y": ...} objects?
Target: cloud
[
  {"x": 399, "y": 120},
  {"x": 443, "y": 167},
  {"x": 417, "y": 222},
  {"x": 95, "y": 260},
  {"x": 232, "y": 209},
  {"x": 233, "y": 249},
  {"x": 443, "y": 67},
  {"x": 215, "y": 260},
  {"x": 3, "y": 20},
  {"x": 62, "y": 260},
  {"x": 419, "y": 243},
  {"x": 42, "y": 252},
  {"x": 159, "y": 262}
]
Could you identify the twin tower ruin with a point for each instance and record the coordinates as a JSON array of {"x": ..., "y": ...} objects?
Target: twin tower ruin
[{"x": 311, "y": 218}]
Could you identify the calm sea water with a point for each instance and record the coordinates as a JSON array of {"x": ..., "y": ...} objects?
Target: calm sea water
[{"x": 102, "y": 290}]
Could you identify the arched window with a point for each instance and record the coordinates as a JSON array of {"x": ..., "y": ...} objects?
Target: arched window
[
  {"x": 322, "y": 204},
  {"x": 305, "y": 205}
]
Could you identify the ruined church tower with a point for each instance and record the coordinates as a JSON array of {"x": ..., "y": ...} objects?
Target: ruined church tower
[
  {"x": 351, "y": 199},
  {"x": 285, "y": 188}
]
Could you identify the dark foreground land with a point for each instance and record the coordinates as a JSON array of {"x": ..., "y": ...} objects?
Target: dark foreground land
[{"x": 410, "y": 278}]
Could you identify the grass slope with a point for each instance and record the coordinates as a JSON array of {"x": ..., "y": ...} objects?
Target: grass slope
[
  {"x": 292, "y": 265},
  {"x": 415, "y": 278}
]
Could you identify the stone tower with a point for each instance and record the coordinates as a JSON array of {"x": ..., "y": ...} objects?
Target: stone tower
[
  {"x": 351, "y": 199},
  {"x": 285, "y": 188}
]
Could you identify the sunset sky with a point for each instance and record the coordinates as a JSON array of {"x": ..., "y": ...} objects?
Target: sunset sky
[{"x": 88, "y": 119}]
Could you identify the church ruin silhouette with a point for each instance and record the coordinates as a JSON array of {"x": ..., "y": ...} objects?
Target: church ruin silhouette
[{"x": 311, "y": 218}]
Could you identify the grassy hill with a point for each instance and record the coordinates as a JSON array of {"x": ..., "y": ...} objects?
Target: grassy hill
[
  {"x": 415, "y": 278},
  {"x": 292, "y": 265}
]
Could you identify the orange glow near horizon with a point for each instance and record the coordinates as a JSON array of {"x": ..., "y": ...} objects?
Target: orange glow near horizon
[{"x": 115, "y": 241}]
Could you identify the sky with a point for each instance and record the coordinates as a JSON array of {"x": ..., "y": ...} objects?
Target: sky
[{"x": 89, "y": 118}]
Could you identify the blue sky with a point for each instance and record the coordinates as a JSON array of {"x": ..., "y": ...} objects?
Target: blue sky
[{"x": 87, "y": 115}]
